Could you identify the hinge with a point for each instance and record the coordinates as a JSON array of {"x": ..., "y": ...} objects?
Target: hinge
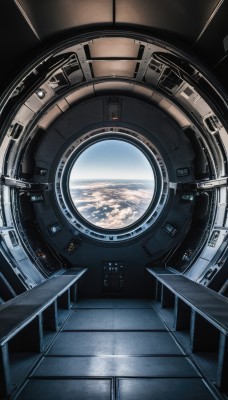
[
  {"x": 25, "y": 185},
  {"x": 199, "y": 185}
]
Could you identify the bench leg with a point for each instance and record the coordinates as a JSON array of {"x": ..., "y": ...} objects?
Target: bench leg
[
  {"x": 182, "y": 315},
  {"x": 50, "y": 318},
  {"x": 158, "y": 290},
  {"x": 203, "y": 335},
  {"x": 64, "y": 300},
  {"x": 167, "y": 298},
  {"x": 73, "y": 293},
  {"x": 5, "y": 378},
  {"x": 222, "y": 374},
  {"x": 30, "y": 338},
  {"x": 34, "y": 335}
]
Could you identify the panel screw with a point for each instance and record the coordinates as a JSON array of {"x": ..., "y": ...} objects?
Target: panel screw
[{"x": 40, "y": 93}]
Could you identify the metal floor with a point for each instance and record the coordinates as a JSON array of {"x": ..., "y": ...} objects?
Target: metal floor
[{"x": 115, "y": 349}]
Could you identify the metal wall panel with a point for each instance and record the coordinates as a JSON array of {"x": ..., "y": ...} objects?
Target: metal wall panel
[
  {"x": 17, "y": 40},
  {"x": 55, "y": 16},
  {"x": 182, "y": 18},
  {"x": 210, "y": 45}
]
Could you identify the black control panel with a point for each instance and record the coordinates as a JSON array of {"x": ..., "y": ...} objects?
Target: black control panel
[{"x": 113, "y": 276}]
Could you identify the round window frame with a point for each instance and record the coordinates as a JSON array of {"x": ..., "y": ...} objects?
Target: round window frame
[
  {"x": 74, "y": 161},
  {"x": 68, "y": 159}
]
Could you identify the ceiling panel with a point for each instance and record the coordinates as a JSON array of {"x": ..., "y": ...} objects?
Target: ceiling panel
[
  {"x": 54, "y": 16},
  {"x": 183, "y": 18},
  {"x": 17, "y": 40},
  {"x": 114, "y": 47},
  {"x": 114, "y": 68},
  {"x": 123, "y": 88},
  {"x": 210, "y": 45}
]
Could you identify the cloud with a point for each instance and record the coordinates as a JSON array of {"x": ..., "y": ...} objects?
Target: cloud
[{"x": 112, "y": 205}]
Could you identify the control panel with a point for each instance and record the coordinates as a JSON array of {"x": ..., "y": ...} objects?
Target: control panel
[{"x": 113, "y": 276}]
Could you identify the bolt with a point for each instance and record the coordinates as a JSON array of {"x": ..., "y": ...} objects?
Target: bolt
[{"x": 40, "y": 93}]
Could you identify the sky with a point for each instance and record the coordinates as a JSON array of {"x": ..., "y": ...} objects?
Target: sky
[{"x": 112, "y": 159}]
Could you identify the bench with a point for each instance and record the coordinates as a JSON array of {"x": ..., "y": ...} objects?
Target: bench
[
  {"x": 25, "y": 319},
  {"x": 200, "y": 310}
]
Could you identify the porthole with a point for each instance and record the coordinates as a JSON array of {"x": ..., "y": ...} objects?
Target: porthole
[{"x": 111, "y": 184}]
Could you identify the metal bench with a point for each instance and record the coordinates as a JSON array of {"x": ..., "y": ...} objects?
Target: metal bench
[
  {"x": 25, "y": 319},
  {"x": 201, "y": 311}
]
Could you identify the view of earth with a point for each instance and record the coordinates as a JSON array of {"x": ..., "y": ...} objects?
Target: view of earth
[
  {"x": 112, "y": 204},
  {"x": 111, "y": 184}
]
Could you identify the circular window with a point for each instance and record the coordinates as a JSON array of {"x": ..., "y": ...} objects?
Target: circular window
[{"x": 111, "y": 184}]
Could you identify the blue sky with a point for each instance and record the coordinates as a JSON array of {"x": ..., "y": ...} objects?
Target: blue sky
[{"x": 112, "y": 159}]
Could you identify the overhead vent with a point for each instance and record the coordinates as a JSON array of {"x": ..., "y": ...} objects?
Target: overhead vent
[
  {"x": 212, "y": 124},
  {"x": 187, "y": 92},
  {"x": 16, "y": 131},
  {"x": 156, "y": 66},
  {"x": 154, "y": 71},
  {"x": 58, "y": 81},
  {"x": 13, "y": 238},
  {"x": 7, "y": 155},
  {"x": 72, "y": 70},
  {"x": 170, "y": 81}
]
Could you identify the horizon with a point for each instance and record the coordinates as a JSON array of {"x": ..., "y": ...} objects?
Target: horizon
[{"x": 112, "y": 179}]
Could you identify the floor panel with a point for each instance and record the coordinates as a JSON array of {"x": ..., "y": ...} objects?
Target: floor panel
[
  {"x": 115, "y": 366},
  {"x": 118, "y": 343},
  {"x": 91, "y": 319},
  {"x": 117, "y": 319},
  {"x": 80, "y": 389},
  {"x": 145, "y": 343},
  {"x": 83, "y": 343},
  {"x": 154, "y": 367},
  {"x": 114, "y": 303},
  {"x": 163, "y": 389},
  {"x": 137, "y": 319}
]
